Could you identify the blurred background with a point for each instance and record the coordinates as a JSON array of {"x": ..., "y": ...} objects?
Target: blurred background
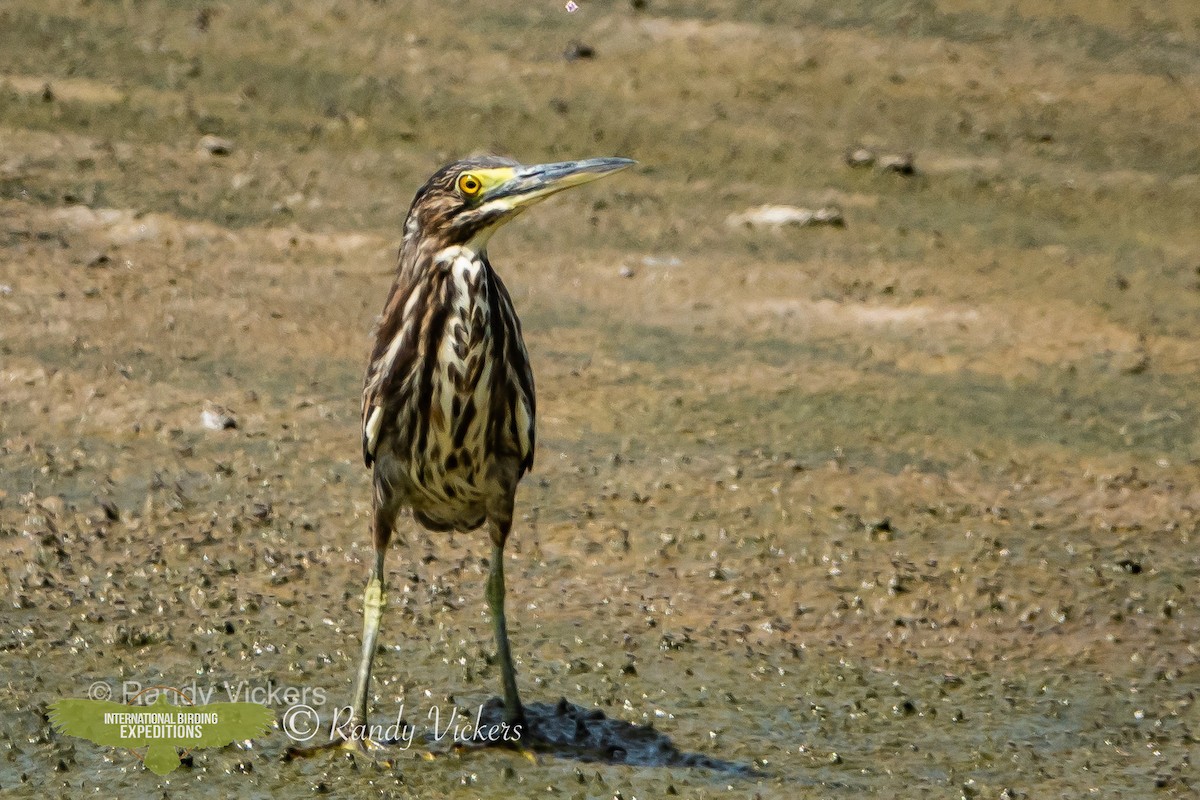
[{"x": 888, "y": 488}]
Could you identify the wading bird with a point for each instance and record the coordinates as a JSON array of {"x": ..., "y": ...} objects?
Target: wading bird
[{"x": 448, "y": 403}]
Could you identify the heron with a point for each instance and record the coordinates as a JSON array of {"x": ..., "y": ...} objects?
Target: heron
[{"x": 448, "y": 407}]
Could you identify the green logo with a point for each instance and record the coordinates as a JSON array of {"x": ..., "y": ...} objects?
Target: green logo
[{"x": 160, "y": 727}]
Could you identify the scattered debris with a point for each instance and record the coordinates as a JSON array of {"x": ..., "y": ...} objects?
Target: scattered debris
[
  {"x": 217, "y": 418},
  {"x": 66, "y": 89},
  {"x": 215, "y": 145},
  {"x": 1136, "y": 361},
  {"x": 577, "y": 50},
  {"x": 262, "y": 512},
  {"x": 1130, "y": 566},
  {"x": 204, "y": 19},
  {"x": 859, "y": 157},
  {"x": 901, "y": 164},
  {"x": 779, "y": 216}
]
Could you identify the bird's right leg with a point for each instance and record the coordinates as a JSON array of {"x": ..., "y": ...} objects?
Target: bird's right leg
[
  {"x": 374, "y": 602},
  {"x": 354, "y": 733}
]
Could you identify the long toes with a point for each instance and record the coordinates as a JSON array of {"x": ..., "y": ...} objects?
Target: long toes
[
  {"x": 339, "y": 744},
  {"x": 332, "y": 746},
  {"x": 346, "y": 739}
]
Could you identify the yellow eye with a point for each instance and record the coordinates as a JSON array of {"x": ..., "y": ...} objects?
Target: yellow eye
[{"x": 469, "y": 185}]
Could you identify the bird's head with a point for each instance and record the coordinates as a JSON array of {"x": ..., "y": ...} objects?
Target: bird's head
[{"x": 465, "y": 202}]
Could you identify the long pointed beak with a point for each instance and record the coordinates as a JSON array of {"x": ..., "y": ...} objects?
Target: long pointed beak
[{"x": 531, "y": 184}]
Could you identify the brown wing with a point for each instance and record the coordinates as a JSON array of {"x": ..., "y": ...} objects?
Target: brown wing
[
  {"x": 516, "y": 389},
  {"x": 393, "y": 357}
]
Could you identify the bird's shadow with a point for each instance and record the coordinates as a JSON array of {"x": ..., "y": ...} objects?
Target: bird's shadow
[{"x": 565, "y": 730}]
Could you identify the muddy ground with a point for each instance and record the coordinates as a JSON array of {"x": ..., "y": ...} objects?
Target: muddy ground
[{"x": 904, "y": 508}]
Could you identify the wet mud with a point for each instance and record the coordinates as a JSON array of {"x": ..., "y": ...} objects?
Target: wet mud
[{"x": 566, "y": 730}]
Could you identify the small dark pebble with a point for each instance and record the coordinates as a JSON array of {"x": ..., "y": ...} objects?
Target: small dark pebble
[
  {"x": 215, "y": 145},
  {"x": 577, "y": 50},
  {"x": 1130, "y": 566},
  {"x": 204, "y": 19},
  {"x": 111, "y": 512}
]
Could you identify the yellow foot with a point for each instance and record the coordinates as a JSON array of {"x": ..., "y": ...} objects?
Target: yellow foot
[
  {"x": 339, "y": 741},
  {"x": 530, "y": 755},
  {"x": 461, "y": 749}
]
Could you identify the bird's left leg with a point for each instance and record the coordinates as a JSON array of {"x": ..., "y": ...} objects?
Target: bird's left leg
[{"x": 514, "y": 713}]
